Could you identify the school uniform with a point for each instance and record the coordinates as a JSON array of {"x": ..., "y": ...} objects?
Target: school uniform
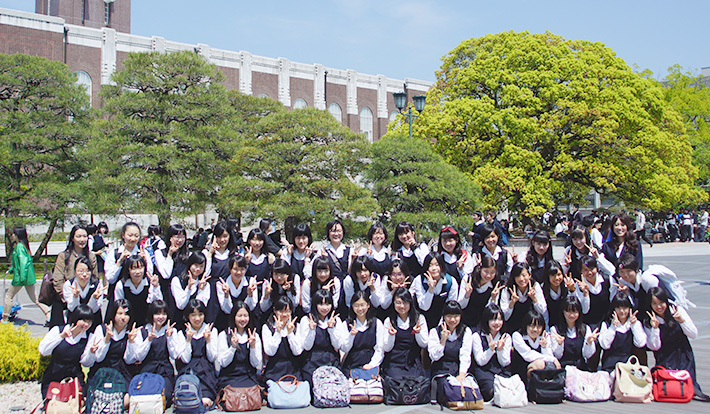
[
  {"x": 267, "y": 301},
  {"x": 452, "y": 358},
  {"x": 113, "y": 268},
  {"x": 537, "y": 269},
  {"x": 380, "y": 260},
  {"x": 403, "y": 350},
  {"x": 236, "y": 293},
  {"x": 301, "y": 264},
  {"x": 217, "y": 266},
  {"x": 111, "y": 354},
  {"x": 452, "y": 265},
  {"x": 169, "y": 268},
  {"x": 364, "y": 348},
  {"x": 490, "y": 363},
  {"x": 504, "y": 261},
  {"x": 336, "y": 290},
  {"x": 154, "y": 355},
  {"x": 86, "y": 297},
  {"x": 525, "y": 351},
  {"x": 64, "y": 271},
  {"x": 514, "y": 315},
  {"x": 473, "y": 305},
  {"x": 65, "y": 357},
  {"x": 139, "y": 297},
  {"x": 618, "y": 342},
  {"x": 612, "y": 254},
  {"x": 182, "y": 294},
  {"x": 352, "y": 284},
  {"x": 554, "y": 300},
  {"x": 431, "y": 303},
  {"x": 339, "y": 260},
  {"x": 414, "y": 257},
  {"x": 238, "y": 365},
  {"x": 320, "y": 346},
  {"x": 259, "y": 267},
  {"x": 198, "y": 357},
  {"x": 575, "y": 350},
  {"x": 282, "y": 350},
  {"x": 638, "y": 292},
  {"x": 599, "y": 299}
]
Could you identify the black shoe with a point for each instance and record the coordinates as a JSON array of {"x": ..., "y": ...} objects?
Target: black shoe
[
  {"x": 702, "y": 397},
  {"x": 46, "y": 324}
]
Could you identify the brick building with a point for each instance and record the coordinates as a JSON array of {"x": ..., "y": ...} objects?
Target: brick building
[{"x": 93, "y": 38}]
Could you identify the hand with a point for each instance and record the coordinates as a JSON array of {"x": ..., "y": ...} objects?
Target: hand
[
  {"x": 502, "y": 340},
  {"x": 173, "y": 249},
  {"x": 544, "y": 339},
  {"x": 154, "y": 279},
  {"x": 417, "y": 328},
  {"x": 203, "y": 281},
  {"x": 568, "y": 259},
  {"x": 652, "y": 320},
  {"x": 468, "y": 287},
  {"x": 559, "y": 338},
  {"x": 353, "y": 329},
  {"x": 367, "y": 366},
  {"x": 189, "y": 332},
  {"x": 287, "y": 285},
  {"x": 492, "y": 345},
  {"x": 76, "y": 289},
  {"x": 308, "y": 252},
  {"x": 252, "y": 338},
  {"x": 124, "y": 255},
  {"x": 620, "y": 287},
  {"x": 531, "y": 292},
  {"x": 676, "y": 314},
  {"x": 208, "y": 333},
  {"x": 99, "y": 292},
  {"x": 109, "y": 332},
  {"x": 583, "y": 286},
  {"x": 633, "y": 319},
  {"x": 333, "y": 320},
  {"x": 461, "y": 377},
  {"x": 144, "y": 254},
  {"x": 371, "y": 283},
  {"x": 133, "y": 333},
  {"x": 289, "y": 249},
  {"x": 233, "y": 340},
  {"x": 513, "y": 296},
  {"x": 170, "y": 329},
  {"x": 430, "y": 281},
  {"x": 94, "y": 347},
  {"x": 290, "y": 326},
  {"x": 248, "y": 255},
  {"x": 252, "y": 286},
  {"x": 369, "y": 249},
  {"x": 461, "y": 261},
  {"x": 67, "y": 332},
  {"x": 615, "y": 319},
  {"x": 311, "y": 322},
  {"x": 496, "y": 291},
  {"x": 514, "y": 255},
  {"x": 268, "y": 287},
  {"x": 569, "y": 283},
  {"x": 592, "y": 251},
  {"x": 445, "y": 332},
  {"x": 330, "y": 285},
  {"x": 593, "y": 336},
  {"x": 225, "y": 287},
  {"x": 190, "y": 281},
  {"x": 390, "y": 329},
  {"x": 214, "y": 246},
  {"x": 152, "y": 334}
]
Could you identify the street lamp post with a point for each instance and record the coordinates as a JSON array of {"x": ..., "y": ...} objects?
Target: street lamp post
[{"x": 400, "y": 101}]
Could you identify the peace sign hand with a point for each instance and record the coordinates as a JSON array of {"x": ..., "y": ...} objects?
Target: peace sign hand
[
  {"x": 233, "y": 339},
  {"x": 329, "y": 285},
  {"x": 154, "y": 279},
  {"x": 268, "y": 287},
  {"x": 67, "y": 332},
  {"x": 170, "y": 330},
  {"x": 371, "y": 283},
  {"x": 615, "y": 319},
  {"x": 593, "y": 336},
  {"x": 189, "y": 332},
  {"x": 290, "y": 326},
  {"x": 492, "y": 345},
  {"x": 468, "y": 286},
  {"x": 252, "y": 337},
  {"x": 203, "y": 282},
  {"x": 252, "y": 286},
  {"x": 152, "y": 334},
  {"x": 108, "y": 332},
  {"x": 133, "y": 333},
  {"x": 430, "y": 281},
  {"x": 544, "y": 339},
  {"x": 559, "y": 338},
  {"x": 311, "y": 322},
  {"x": 501, "y": 341},
  {"x": 224, "y": 286},
  {"x": 417, "y": 328},
  {"x": 620, "y": 287},
  {"x": 569, "y": 283},
  {"x": 369, "y": 249},
  {"x": 583, "y": 286},
  {"x": 496, "y": 290},
  {"x": 445, "y": 332},
  {"x": 76, "y": 289},
  {"x": 515, "y": 255},
  {"x": 249, "y": 254},
  {"x": 532, "y": 294},
  {"x": 633, "y": 319},
  {"x": 513, "y": 295},
  {"x": 390, "y": 329},
  {"x": 676, "y": 314},
  {"x": 652, "y": 320},
  {"x": 99, "y": 292},
  {"x": 592, "y": 250},
  {"x": 353, "y": 329},
  {"x": 333, "y": 320},
  {"x": 208, "y": 332}
]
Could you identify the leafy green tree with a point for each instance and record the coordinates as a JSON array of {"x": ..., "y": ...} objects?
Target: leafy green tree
[
  {"x": 539, "y": 120},
  {"x": 296, "y": 166},
  {"x": 165, "y": 143},
  {"x": 415, "y": 184},
  {"x": 43, "y": 118}
]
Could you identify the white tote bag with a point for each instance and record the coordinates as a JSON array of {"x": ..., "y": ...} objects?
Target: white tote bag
[{"x": 509, "y": 392}]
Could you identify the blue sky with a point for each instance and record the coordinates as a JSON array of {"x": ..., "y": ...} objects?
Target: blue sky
[{"x": 408, "y": 38}]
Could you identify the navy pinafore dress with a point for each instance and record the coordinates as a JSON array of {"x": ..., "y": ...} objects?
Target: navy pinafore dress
[
  {"x": 405, "y": 357},
  {"x": 158, "y": 362},
  {"x": 201, "y": 366},
  {"x": 363, "y": 349},
  {"x": 486, "y": 374},
  {"x": 64, "y": 363},
  {"x": 239, "y": 373},
  {"x": 322, "y": 354}
]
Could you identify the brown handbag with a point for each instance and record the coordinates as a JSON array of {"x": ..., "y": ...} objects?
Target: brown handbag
[
  {"x": 46, "y": 290},
  {"x": 234, "y": 399}
]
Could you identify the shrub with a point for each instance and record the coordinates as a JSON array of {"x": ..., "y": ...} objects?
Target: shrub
[{"x": 19, "y": 358}]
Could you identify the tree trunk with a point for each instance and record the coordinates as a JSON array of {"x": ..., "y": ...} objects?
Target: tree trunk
[
  {"x": 164, "y": 221},
  {"x": 45, "y": 241}
]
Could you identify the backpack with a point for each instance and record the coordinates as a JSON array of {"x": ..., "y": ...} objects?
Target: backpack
[
  {"x": 447, "y": 285},
  {"x": 674, "y": 386},
  {"x": 330, "y": 388},
  {"x": 546, "y": 386},
  {"x": 668, "y": 281},
  {"x": 187, "y": 397},
  {"x": 106, "y": 391},
  {"x": 509, "y": 392},
  {"x": 146, "y": 394}
]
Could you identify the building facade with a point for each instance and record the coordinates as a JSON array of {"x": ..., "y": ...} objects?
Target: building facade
[{"x": 93, "y": 38}]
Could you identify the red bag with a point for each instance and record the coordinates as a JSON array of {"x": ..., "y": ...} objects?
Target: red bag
[
  {"x": 671, "y": 385},
  {"x": 64, "y": 397}
]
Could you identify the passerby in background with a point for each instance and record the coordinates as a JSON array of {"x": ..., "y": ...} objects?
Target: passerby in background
[
  {"x": 702, "y": 225},
  {"x": 640, "y": 228}
]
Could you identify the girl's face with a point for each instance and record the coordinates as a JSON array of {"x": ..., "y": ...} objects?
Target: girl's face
[
  {"x": 491, "y": 241},
  {"x": 397, "y": 276},
  {"x": 177, "y": 240},
  {"x": 495, "y": 324},
  {"x": 196, "y": 269},
  {"x": 280, "y": 278},
  {"x": 364, "y": 275},
  {"x": 629, "y": 275},
  {"x": 84, "y": 324},
  {"x": 487, "y": 274},
  {"x": 83, "y": 274},
  {"x": 452, "y": 321},
  {"x": 159, "y": 319},
  {"x": 579, "y": 243},
  {"x": 534, "y": 331},
  {"x": 284, "y": 314},
  {"x": 402, "y": 307},
  {"x": 556, "y": 279},
  {"x": 571, "y": 316},
  {"x": 256, "y": 244},
  {"x": 434, "y": 269},
  {"x": 324, "y": 308},
  {"x": 360, "y": 307},
  {"x": 222, "y": 240},
  {"x": 335, "y": 235},
  {"x": 523, "y": 280},
  {"x": 131, "y": 236},
  {"x": 540, "y": 248},
  {"x": 620, "y": 229},
  {"x": 406, "y": 238},
  {"x": 14, "y": 238},
  {"x": 322, "y": 275},
  {"x": 237, "y": 272},
  {"x": 196, "y": 318},
  {"x": 241, "y": 319},
  {"x": 622, "y": 313},
  {"x": 590, "y": 274},
  {"x": 81, "y": 238},
  {"x": 449, "y": 244},
  {"x": 378, "y": 237},
  {"x": 301, "y": 242},
  {"x": 121, "y": 319},
  {"x": 136, "y": 272},
  {"x": 658, "y": 306}
]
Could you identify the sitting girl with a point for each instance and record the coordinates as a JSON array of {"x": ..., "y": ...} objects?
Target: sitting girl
[
  {"x": 407, "y": 335},
  {"x": 240, "y": 352},
  {"x": 620, "y": 333},
  {"x": 573, "y": 342},
  {"x": 491, "y": 350},
  {"x": 364, "y": 342},
  {"x": 532, "y": 347},
  {"x": 317, "y": 330}
]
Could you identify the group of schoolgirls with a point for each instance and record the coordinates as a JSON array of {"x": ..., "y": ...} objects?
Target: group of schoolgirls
[{"x": 240, "y": 316}]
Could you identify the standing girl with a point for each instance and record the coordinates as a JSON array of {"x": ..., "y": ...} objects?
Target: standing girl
[
  {"x": 620, "y": 333},
  {"x": 240, "y": 351},
  {"x": 138, "y": 287},
  {"x": 299, "y": 254},
  {"x": 192, "y": 284},
  {"x": 406, "y": 247},
  {"x": 237, "y": 287},
  {"x": 218, "y": 253},
  {"x": 504, "y": 260},
  {"x": 556, "y": 288},
  {"x": 107, "y": 345},
  {"x": 281, "y": 283},
  {"x": 491, "y": 350},
  {"x": 364, "y": 342},
  {"x": 539, "y": 254},
  {"x": 362, "y": 278},
  {"x": 478, "y": 290},
  {"x": 282, "y": 345},
  {"x": 23, "y": 273},
  {"x": 407, "y": 335},
  {"x": 458, "y": 262},
  {"x": 520, "y": 296},
  {"x": 622, "y": 240},
  {"x": 257, "y": 256},
  {"x": 573, "y": 343},
  {"x": 130, "y": 235},
  {"x": 171, "y": 265},
  {"x": 581, "y": 246},
  {"x": 377, "y": 253},
  {"x": 84, "y": 289},
  {"x": 434, "y": 288},
  {"x": 337, "y": 252},
  {"x": 317, "y": 330},
  {"x": 322, "y": 278}
]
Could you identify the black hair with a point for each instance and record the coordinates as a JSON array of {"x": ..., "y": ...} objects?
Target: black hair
[
  {"x": 377, "y": 226},
  {"x": 627, "y": 261},
  {"x": 239, "y": 259},
  {"x": 589, "y": 220},
  {"x": 301, "y": 229},
  {"x": 221, "y": 228},
  {"x": 320, "y": 262},
  {"x": 281, "y": 266},
  {"x": 450, "y": 233},
  {"x": 487, "y": 262},
  {"x": 452, "y": 307},
  {"x": 397, "y": 262},
  {"x": 281, "y": 303},
  {"x": 571, "y": 302},
  {"x": 540, "y": 236},
  {"x": 127, "y": 225},
  {"x": 630, "y": 243},
  {"x": 515, "y": 272},
  {"x": 81, "y": 313},
  {"x": 102, "y": 225},
  {"x": 175, "y": 230},
  {"x": 319, "y": 298},
  {"x": 70, "y": 244},
  {"x": 589, "y": 261},
  {"x": 620, "y": 300},
  {"x": 258, "y": 234},
  {"x": 264, "y": 224},
  {"x": 532, "y": 317},
  {"x": 370, "y": 316},
  {"x": 661, "y": 295},
  {"x": 91, "y": 229},
  {"x": 235, "y": 308},
  {"x": 85, "y": 260},
  {"x": 552, "y": 268},
  {"x": 153, "y": 230},
  {"x": 403, "y": 227},
  {"x": 358, "y": 264},
  {"x": 194, "y": 258},
  {"x": 579, "y": 233},
  {"x": 155, "y": 307},
  {"x": 405, "y": 295},
  {"x": 192, "y": 306},
  {"x": 21, "y": 233},
  {"x": 439, "y": 259},
  {"x": 113, "y": 309},
  {"x": 486, "y": 231},
  {"x": 330, "y": 225},
  {"x": 131, "y": 262},
  {"x": 490, "y": 313}
]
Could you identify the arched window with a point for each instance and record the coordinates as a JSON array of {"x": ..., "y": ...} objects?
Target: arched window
[
  {"x": 393, "y": 115},
  {"x": 263, "y": 95},
  {"x": 84, "y": 79},
  {"x": 337, "y": 113},
  {"x": 300, "y": 104},
  {"x": 366, "y": 122}
]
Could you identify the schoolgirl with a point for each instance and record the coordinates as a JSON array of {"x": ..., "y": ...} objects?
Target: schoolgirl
[
  {"x": 317, "y": 330},
  {"x": 620, "y": 333},
  {"x": 199, "y": 345},
  {"x": 171, "y": 265},
  {"x": 240, "y": 351},
  {"x": 130, "y": 235},
  {"x": 362, "y": 337},
  {"x": 337, "y": 252},
  {"x": 595, "y": 286},
  {"x": 622, "y": 240},
  {"x": 257, "y": 256},
  {"x": 100, "y": 246},
  {"x": 376, "y": 251},
  {"x": 458, "y": 262},
  {"x": 532, "y": 347},
  {"x": 322, "y": 278},
  {"x": 490, "y": 235},
  {"x": 491, "y": 350},
  {"x": 580, "y": 246},
  {"x": 138, "y": 287},
  {"x": 236, "y": 287},
  {"x": 521, "y": 295},
  {"x": 539, "y": 254},
  {"x": 668, "y": 330},
  {"x": 556, "y": 288},
  {"x": 84, "y": 289},
  {"x": 407, "y": 334},
  {"x": 282, "y": 345},
  {"x": 77, "y": 247},
  {"x": 405, "y": 246},
  {"x": 449, "y": 346},
  {"x": 281, "y": 283},
  {"x": 573, "y": 342},
  {"x": 191, "y": 284},
  {"x": 107, "y": 345},
  {"x": 23, "y": 273},
  {"x": 634, "y": 282},
  {"x": 299, "y": 253},
  {"x": 478, "y": 290},
  {"x": 362, "y": 277},
  {"x": 66, "y": 344},
  {"x": 155, "y": 345},
  {"x": 397, "y": 276},
  {"x": 217, "y": 255},
  {"x": 434, "y": 288}
]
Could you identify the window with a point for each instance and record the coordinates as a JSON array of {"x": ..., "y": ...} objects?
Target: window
[
  {"x": 263, "y": 95},
  {"x": 84, "y": 79},
  {"x": 300, "y": 104},
  {"x": 366, "y": 122},
  {"x": 337, "y": 113},
  {"x": 107, "y": 13}
]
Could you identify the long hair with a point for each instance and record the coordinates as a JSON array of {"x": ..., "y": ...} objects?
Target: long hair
[
  {"x": 620, "y": 300},
  {"x": 85, "y": 260},
  {"x": 452, "y": 307},
  {"x": 401, "y": 228},
  {"x": 321, "y": 296},
  {"x": 369, "y": 317},
  {"x": 132, "y": 261},
  {"x": 70, "y": 244},
  {"x": 554, "y": 267},
  {"x": 126, "y": 226},
  {"x": 321, "y": 263},
  {"x": 532, "y": 317},
  {"x": 282, "y": 303},
  {"x": 450, "y": 233},
  {"x": 662, "y": 296},
  {"x": 21, "y": 233},
  {"x": 358, "y": 265},
  {"x": 543, "y": 237},
  {"x": 194, "y": 258},
  {"x": 490, "y": 313},
  {"x": 487, "y": 230},
  {"x": 281, "y": 266},
  {"x": 487, "y": 262},
  {"x": 515, "y": 272},
  {"x": 113, "y": 309},
  {"x": 176, "y": 230},
  {"x": 630, "y": 243},
  {"x": 377, "y": 226},
  {"x": 404, "y": 295},
  {"x": 220, "y": 229},
  {"x": 259, "y": 234},
  {"x": 571, "y": 303}
]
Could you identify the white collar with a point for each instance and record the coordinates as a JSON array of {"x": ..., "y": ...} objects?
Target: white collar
[
  {"x": 258, "y": 260},
  {"x": 449, "y": 258},
  {"x": 339, "y": 251},
  {"x": 159, "y": 333},
  {"x": 236, "y": 290},
  {"x": 136, "y": 290}
]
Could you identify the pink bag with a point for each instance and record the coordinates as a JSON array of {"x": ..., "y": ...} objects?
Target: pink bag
[{"x": 583, "y": 386}]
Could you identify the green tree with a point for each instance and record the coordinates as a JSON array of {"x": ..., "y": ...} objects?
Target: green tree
[
  {"x": 416, "y": 184},
  {"x": 539, "y": 120},
  {"x": 165, "y": 143},
  {"x": 296, "y": 166},
  {"x": 690, "y": 97},
  {"x": 43, "y": 118}
]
